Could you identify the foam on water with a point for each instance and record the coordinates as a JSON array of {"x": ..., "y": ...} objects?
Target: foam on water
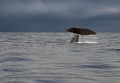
[{"x": 87, "y": 42}]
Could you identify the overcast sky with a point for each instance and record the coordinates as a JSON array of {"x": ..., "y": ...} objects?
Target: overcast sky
[{"x": 58, "y": 15}]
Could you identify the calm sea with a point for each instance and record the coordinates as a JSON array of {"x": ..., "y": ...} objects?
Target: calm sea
[{"x": 49, "y": 58}]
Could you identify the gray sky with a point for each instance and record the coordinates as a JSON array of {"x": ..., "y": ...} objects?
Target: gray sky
[{"x": 59, "y": 15}]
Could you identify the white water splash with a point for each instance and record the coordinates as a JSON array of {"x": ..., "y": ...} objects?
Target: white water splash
[
  {"x": 88, "y": 39},
  {"x": 86, "y": 42}
]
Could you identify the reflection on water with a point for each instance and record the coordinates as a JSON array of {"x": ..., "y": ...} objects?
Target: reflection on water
[{"x": 49, "y": 58}]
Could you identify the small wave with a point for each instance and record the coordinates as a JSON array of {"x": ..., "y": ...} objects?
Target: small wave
[
  {"x": 12, "y": 70},
  {"x": 46, "y": 81},
  {"x": 13, "y": 59},
  {"x": 97, "y": 66},
  {"x": 14, "y": 82},
  {"x": 115, "y": 49}
]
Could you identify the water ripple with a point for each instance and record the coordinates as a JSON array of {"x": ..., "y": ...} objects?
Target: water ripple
[
  {"x": 14, "y": 82},
  {"x": 49, "y": 58},
  {"x": 98, "y": 66},
  {"x": 13, "y": 59},
  {"x": 48, "y": 81},
  {"x": 13, "y": 69}
]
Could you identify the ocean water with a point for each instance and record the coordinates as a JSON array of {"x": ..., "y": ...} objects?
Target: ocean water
[{"x": 49, "y": 58}]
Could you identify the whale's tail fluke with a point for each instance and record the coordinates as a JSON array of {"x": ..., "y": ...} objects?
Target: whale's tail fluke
[{"x": 79, "y": 31}]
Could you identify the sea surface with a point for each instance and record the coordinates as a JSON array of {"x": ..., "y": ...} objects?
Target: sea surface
[{"x": 50, "y": 58}]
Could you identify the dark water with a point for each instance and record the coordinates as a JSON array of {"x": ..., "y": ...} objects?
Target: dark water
[{"x": 49, "y": 58}]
